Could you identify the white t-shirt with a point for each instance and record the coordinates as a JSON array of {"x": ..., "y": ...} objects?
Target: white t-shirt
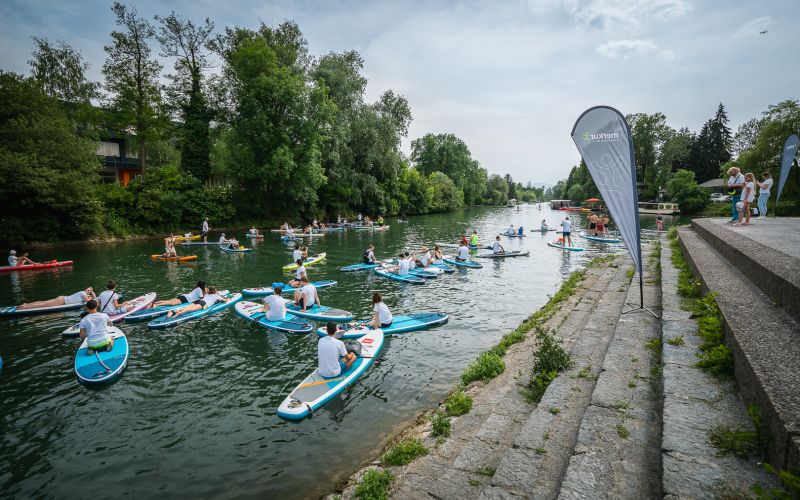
[
  {"x": 96, "y": 327},
  {"x": 329, "y": 350},
  {"x": 411, "y": 263},
  {"x": 463, "y": 253},
  {"x": 195, "y": 294},
  {"x": 301, "y": 271},
  {"x": 402, "y": 266},
  {"x": 277, "y": 308},
  {"x": 297, "y": 255},
  {"x": 426, "y": 259},
  {"x": 211, "y": 299},
  {"x": 205, "y": 226},
  {"x": 12, "y": 260},
  {"x": 751, "y": 191},
  {"x": 106, "y": 301},
  {"x": 566, "y": 226},
  {"x": 767, "y": 183},
  {"x": 76, "y": 298},
  {"x": 309, "y": 294},
  {"x": 370, "y": 256},
  {"x": 736, "y": 179},
  {"x": 222, "y": 239},
  {"x": 253, "y": 231},
  {"x": 496, "y": 247},
  {"x": 384, "y": 315}
]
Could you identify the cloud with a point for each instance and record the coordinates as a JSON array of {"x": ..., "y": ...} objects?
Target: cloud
[
  {"x": 629, "y": 14},
  {"x": 625, "y": 49},
  {"x": 752, "y": 28}
]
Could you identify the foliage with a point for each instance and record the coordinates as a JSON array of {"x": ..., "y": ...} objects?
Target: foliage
[
  {"x": 733, "y": 441},
  {"x": 440, "y": 424},
  {"x": 61, "y": 71},
  {"x": 486, "y": 367},
  {"x": 405, "y": 452},
  {"x": 457, "y": 403},
  {"x": 790, "y": 480},
  {"x": 449, "y": 155},
  {"x": 683, "y": 188},
  {"x": 549, "y": 355},
  {"x": 374, "y": 485}
]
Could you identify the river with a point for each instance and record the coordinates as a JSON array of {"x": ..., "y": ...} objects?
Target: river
[{"x": 194, "y": 414}]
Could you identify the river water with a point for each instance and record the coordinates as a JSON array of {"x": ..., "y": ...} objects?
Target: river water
[{"x": 194, "y": 414}]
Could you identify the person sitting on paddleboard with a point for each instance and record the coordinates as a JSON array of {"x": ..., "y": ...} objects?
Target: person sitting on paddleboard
[
  {"x": 511, "y": 231},
  {"x": 307, "y": 296},
  {"x": 207, "y": 301},
  {"x": 464, "y": 240},
  {"x": 205, "y": 230},
  {"x": 425, "y": 260},
  {"x": 380, "y": 220},
  {"x": 437, "y": 254},
  {"x": 299, "y": 274},
  {"x": 369, "y": 255},
  {"x": 473, "y": 240},
  {"x": 23, "y": 260},
  {"x": 332, "y": 354},
  {"x": 545, "y": 227},
  {"x": 274, "y": 305},
  {"x": 253, "y": 231},
  {"x": 520, "y": 231},
  {"x": 566, "y": 230},
  {"x": 497, "y": 247},
  {"x": 463, "y": 252},
  {"x": 222, "y": 239},
  {"x": 84, "y": 295},
  {"x": 411, "y": 259},
  {"x": 94, "y": 328},
  {"x": 298, "y": 253},
  {"x": 381, "y": 315},
  {"x": 109, "y": 301},
  {"x": 233, "y": 244},
  {"x": 197, "y": 293}
]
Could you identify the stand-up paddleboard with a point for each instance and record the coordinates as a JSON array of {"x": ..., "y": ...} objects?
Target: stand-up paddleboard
[
  {"x": 315, "y": 390},
  {"x": 33, "y": 267},
  {"x": 513, "y": 253},
  {"x": 179, "y": 259},
  {"x": 543, "y": 231},
  {"x": 139, "y": 303},
  {"x": 405, "y": 278},
  {"x": 422, "y": 273},
  {"x": 102, "y": 366},
  {"x": 165, "y": 321},
  {"x": 254, "y": 236},
  {"x": 515, "y": 235},
  {"x": 150, "y": 313},
  {"x": 400, "y": 324},
  {"x": 314, "y": 259},
  {"x": 318, "y": 313},
  {"x": 443, "y": 266},
  {"x": 13, "y": 311},
  {"x": 447, "y": 245},
  {"x": 358, "y": 267},
  {"x": 399, "y": 221},
  {"x": 267, "y": 290},
  {"x": 598, "y": 239},
  {"x": 252, "y": 311},
  {"x": 556, "y": 244},
  {"x": 235, "y": 250},
  {"x": 199, "y": 243},
  {"x": 188, "y": 237},
  {"x": 463, "y": 263}
]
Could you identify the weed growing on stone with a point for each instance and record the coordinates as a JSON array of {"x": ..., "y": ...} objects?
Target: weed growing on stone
[
  {"x": 457, "y": 403},
  {"x": 474, "y": 482},
  {"x": 555, "y": 411},
  {"x": 714, "y": 356},
  {"x": 546, "y": 436},
  {"x": 632, "y": 384},
  {"x": 623, "y": 431},
  {"x": 405, "y": 452},
  {"x": 761, "y": 438},
  {"x": 790, "y": 481},
  {"x": 549, "y": 359},
  {"x": 654, "y": 346},
  {"x": 621, "y": 405},
  {"x": 440, "y": 425},
  {"x": 599, "y": 261},
  {"x": 541, "y": 451},
  {"x": 688, "y": 286},
  {"x": 733, "y": 441},
  {"x": 487, "y": 471},
  {"x": 586, "y": 373},
  {"x": 631, "y": 273},
  {"x": 676, "y": 341},
  {"x": 486, "y": 367},
  {"x": 538, "y": 385},
  {"x": 374, "y": 485}
]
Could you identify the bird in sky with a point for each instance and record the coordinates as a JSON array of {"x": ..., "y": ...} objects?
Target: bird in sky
[{"x": 762, "y": 32}]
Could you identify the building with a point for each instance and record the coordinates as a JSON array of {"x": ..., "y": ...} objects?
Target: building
[
  {"x": 120, "y": 160},
  {"x": 714, "y": 185}
]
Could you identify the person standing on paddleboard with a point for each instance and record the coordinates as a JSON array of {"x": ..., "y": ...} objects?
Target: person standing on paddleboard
[
  {"x": 566, "y": 231},
  {"x": 94, "y": 328},
  {"x": 84, "y": 295},
  {"x": 204, "y": 231},
  {"x": 381, "y": 315},
  {"x": 197, "y": 292},
  {"x": 332, "y": 354}
]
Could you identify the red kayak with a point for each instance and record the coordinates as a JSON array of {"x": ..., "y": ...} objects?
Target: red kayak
[{"x": 46, "y": 265}]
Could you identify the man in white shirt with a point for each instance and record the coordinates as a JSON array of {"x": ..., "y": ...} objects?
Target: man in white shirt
[
  {"x": 735, "y": 185},
  {"x": 402, "y": 265},
  {"x": 566, "y": 231},
  {"x": 332, "y": 354},
  {"x": 205, "y": 230},
  {"x": 463, "y": 252},
  {"x": 94, "y": 328},
  {"x": 497, "y": 247},
  {"x": 307, "y": 296},
  {"x": 298, "y": 253},
  {"x": 275, "y": 306}
]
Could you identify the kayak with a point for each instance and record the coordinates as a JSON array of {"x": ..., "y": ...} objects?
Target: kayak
[
  {"x": 556, "y": 244},
  {"x": 400, "y": 324},
  {"x": 32, "y": 267},
  {"x": 12, "y": 311},
  {"x": 199, "y": 243},
  {"x": 405, "y": 278},
  {"x": 514, "y": 253},
  {"x": 463, "y": 263},
  {"x": 318, "y": 313},
  {"x": 358, "y": 267},
  {"x": 139, "y": 303},
  {"x": 235, "y": 250},
  {"x": 165, "y": 321},
  {"x": 314, "y": 259},
  {"x": 444, "y": 267},
  {"x": 252, "y": 311},
  {"x": 267, "y": 290},
  {"x": 315, "y": 390},
  {"x": 599, "y": 239},
  {"x": 180, "y": 259},
  {"x": 102, "y": 366}
]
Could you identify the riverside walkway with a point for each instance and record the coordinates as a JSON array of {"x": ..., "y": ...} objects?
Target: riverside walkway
[{"x": 634, "y": 417}]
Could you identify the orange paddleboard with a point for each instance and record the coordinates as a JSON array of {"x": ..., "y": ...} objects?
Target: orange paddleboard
[{"x": 181, "y": 259}]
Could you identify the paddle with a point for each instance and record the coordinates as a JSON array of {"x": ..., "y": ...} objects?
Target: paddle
[{"x": 97, "y": 355}]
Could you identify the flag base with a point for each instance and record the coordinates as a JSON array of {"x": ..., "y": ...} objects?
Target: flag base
[{"x": 639, "y": 308}]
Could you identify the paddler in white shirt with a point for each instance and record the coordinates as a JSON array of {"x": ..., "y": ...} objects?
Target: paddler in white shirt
[
  {"x": 208, "y": 300},
  {"x": 497, "y": 248}
]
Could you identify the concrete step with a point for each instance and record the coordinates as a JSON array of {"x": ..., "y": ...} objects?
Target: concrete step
[
  {"x": 534, "y": 465},
  {"x": 765, "y": 342}
]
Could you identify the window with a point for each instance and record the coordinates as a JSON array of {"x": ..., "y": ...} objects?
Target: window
[{"x": 107, "y": 148}]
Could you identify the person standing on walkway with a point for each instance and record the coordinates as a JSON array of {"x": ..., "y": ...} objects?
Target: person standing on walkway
[
  {"x": 205, "y": 230},
  {"x": 748, "y": 195},
  {"x": 764, "y": 189},
  {"x": 735, "y": 185}
]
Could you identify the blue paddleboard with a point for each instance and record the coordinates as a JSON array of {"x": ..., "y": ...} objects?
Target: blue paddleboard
[
  {"x": 102, "y": 366},
  {"x": 555, "y": 244},
  {"x": 252, "y": 311},
  {"x": 267, "y": 290},
  {"x": 405, "y": 278},
  {"x": 359, "y": 267},
  {"x": 463, "y": 263},
  {"x": 164, "y": 321},
  {"x": 400, "y": 324}
]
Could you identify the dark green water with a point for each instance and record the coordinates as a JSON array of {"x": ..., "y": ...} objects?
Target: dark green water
[{"x": 194, "y": 413}]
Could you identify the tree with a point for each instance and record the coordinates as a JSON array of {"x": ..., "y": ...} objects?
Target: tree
[
  {"x": 512, "y": 187},
  {"x": 61, "y": 71},
  {"x": 185, "y": 41},
  {"x": 131, "y": 77},
  {"x": 496, "y": 190},
  {"x": 683, "y": 188},
  {"x": 448, "y": 154},
  {"x": 720, "y": 141},
  {"x": 745, "y": 137},
  {"x": 649, "y": 135}
]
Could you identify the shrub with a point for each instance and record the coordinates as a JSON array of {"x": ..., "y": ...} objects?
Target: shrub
[
  {"x": 374, "y": 485},
  {"x": 733, "y": 441},
  {"x": 486, "y": 367},
  {"x": 549, "y": 356},
  {"x": 405, "y": 452},
  {"x": 440, "y": 424},
  {"x": 457, "y": 403}
]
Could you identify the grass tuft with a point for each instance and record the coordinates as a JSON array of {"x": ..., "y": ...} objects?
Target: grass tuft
[
  {"x": 733, "y": 441},
  {"x": 405, "y": 452},
  {"x": 486, "y": 367},
  {"x": 623, "y": 431},
  {"x": 457, "y": 403},
  {"x": 374, "y": 485},
  {"x": 440, "y": 424}
]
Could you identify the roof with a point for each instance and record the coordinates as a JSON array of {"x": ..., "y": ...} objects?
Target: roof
[{"x": 713, "y": 183}]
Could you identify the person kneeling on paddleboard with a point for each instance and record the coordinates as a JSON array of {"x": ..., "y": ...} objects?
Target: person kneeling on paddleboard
[
  {"x": 332, "y": 354},
  {"x": 222, "y": 239},
  {"x": 369, "y": 255},
  {"x": 299, "y": 274},
  {"x": 566, "y": 230},
  {"x": 544, "y": 225},
  {"x": 94, "y": 328},
  {"x": 109, "y": 301},
  {"x": 196, "y": 293},
  {"x": 307, "y": 296},
  {"x": 381, "y": 316},
  {"x": 497, "y": 247},
  {"x": 274, "y": 306},
  {"x": 463, "y": 253},
  {"x": 207, "y": 301},
  {"x": 473, "y": 240},
  {"x": 62, "y": 300}
]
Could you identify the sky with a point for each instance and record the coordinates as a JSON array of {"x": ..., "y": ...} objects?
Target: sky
[{"x": 508, "y": 77}]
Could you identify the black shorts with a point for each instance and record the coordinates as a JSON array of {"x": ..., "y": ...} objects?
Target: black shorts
[
  {"x": 183, "y": 299},
  {"x": 592, "y": 225},
  {"x": 386, "y": 325},
  {"x": 200, "y": 302},
  {"x": 566, "y": 234},
  {"x": 204, "y": 234},
  {"x": 301, "y": 302}
]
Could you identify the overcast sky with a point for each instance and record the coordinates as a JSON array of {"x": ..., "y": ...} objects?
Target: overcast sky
[{"x": 509, "y": 78}]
